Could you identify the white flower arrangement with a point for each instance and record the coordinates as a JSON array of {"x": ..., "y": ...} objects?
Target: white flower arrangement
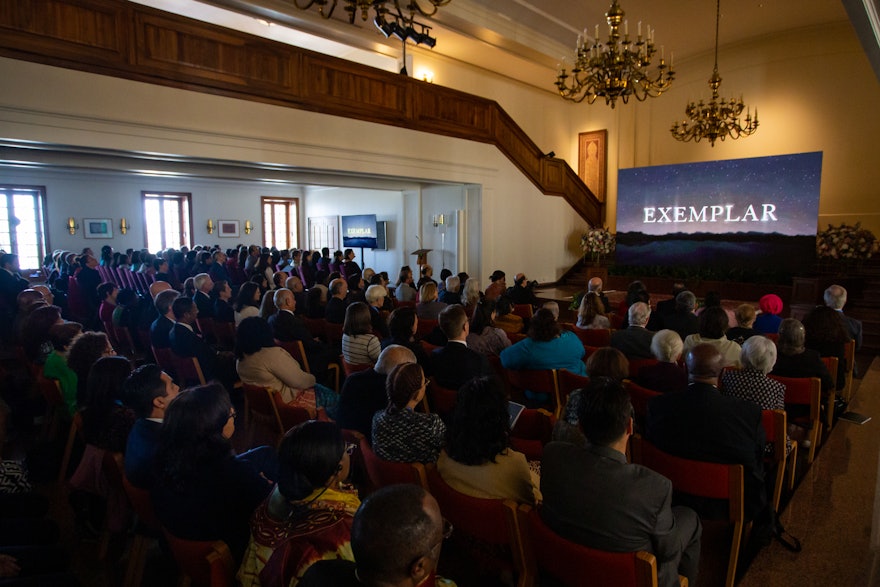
[
  {"x": 846, "y": 242},
  {"x": 598, "y": 242}
]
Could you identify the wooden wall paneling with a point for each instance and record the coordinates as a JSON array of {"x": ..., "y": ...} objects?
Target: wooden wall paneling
[{"x": 444, "y": 111}]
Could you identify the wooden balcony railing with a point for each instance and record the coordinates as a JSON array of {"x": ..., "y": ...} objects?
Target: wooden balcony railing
[{"x": 126, "y": 40}]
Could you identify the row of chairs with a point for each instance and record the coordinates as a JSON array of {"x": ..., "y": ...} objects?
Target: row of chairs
[{"x": 125, "y": 278}]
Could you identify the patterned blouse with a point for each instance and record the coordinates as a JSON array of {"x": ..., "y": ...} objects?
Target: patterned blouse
[
  {"x": 754, "y": 386},
  {"x": 408, "y": 437}
]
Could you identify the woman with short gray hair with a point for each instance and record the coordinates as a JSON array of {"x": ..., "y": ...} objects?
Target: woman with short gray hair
[{"x": 667, "y": 374}]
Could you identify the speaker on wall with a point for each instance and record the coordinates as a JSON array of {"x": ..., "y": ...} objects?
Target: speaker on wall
[{"x": 382, "y": 235}]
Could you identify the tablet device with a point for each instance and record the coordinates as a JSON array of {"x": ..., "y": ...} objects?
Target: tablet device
[{"x": 513, "y": 411}]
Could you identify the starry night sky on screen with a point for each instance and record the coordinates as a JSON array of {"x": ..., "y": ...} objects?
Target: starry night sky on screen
[{"x": 765, "y": 194}]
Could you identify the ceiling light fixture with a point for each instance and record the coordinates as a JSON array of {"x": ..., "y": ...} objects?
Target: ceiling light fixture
[
  {"x": 616, "y": 69},
  {"x": 718, "y": 119}
]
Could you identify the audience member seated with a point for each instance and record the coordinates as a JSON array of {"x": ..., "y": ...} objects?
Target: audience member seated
[
  {"x": 363, "y": 393},
  {"x": 107, "y": 293},
  {"x": 441, "y": 284},
  {"x": 428, "y": 307},
  {"x": 148, "y": 391},
  {"x": 403, "y": 289},
  {"x": 667, "y": 374},
  {"x": 84, "y": 351},
  {"x": 89, "y": 279},
  {"x": 713, "y": 300},
  {"x": 478, "y": 460},
  {"x": 260, "y": 362},
  {"x": 204, "y": 284},
  {"x": 751, "y": 382},
  {"x": 336, "y": 263},
  {"x": 522, "y": 292},
  {"x": 547, "y": 347},
  {"x": 295, "y": 285},
  {"x": 593, "y": 497},
  {"x": 160, "y": 329},
  {"x": 835, "y": 298},
  {"x": 315, "y": 302},
  {"x": 505, "y": 319},
  {"x": 222, "y": 294},
  {"x": 471, "y": 295},
  {"x": 768, "y": 320},
  {"x": 682, "y": 318},
  {"x": 35, "y": 333},
  {"x": 396, "y": 539},
  {"x": 11, "y": 284},
  {"x": 289, "y": 327},
  {"x": 247, "y": 302},
  {"x": 375, "y": 298},
  {"x": 349, "y": 265},
  {"x": 403, "y": 325},
  {"x": 399, "y": 432},
  {"x": 451, "y": 292},
  {"x": 217, "y": 270},
  {"x": 268, "y": 309},
  {"x": 483, "y": 336},
  {"x": 745, "y": 315},
  {"x": 635, "y": 292},
  {"x": 106, "y": 421},
  {"x": 713, "y": 325},
  {"x": 455, "y": 363},
  {"x": 359, "y": 345},
  {"x": 795, "y": 360},
  {"x": 591, "y": 313},
  {"x": 634, "y": 341},
  {"x": 595, "y": 285},
  {"x": 202, "y": 491},
  {"x": 826, "y": 333},
  {"x": 497, "y": 286},
  {"x": 186, "y": 343},
  {"x": 308, "y": 515},
  {"x": 55, "y": 367},
  {"x": 701, "y": 424},
  {"x": 666, "y": 308},
  {"x": 356, "y": 291},
  {"x": 336, "y": 305},
  {"x": 426, "y": 275}
]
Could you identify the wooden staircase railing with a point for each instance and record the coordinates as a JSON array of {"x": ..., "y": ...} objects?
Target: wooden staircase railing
[{"x": 126, "y": 40}]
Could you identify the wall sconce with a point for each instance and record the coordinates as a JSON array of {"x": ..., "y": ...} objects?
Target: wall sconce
[
  {"x": 424, "y": 74},
  {"x": 210, "y": 226},
  {"x": 123, "y": 225},
  {"x": 72, "y": 226},
  {"x": 438, "y": 220},
  {"x": 248, "y": 227}
]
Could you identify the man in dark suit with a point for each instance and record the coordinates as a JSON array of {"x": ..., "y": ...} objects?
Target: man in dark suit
[
  {"x": 363, "y": 393},
  {"x": 682, "y": 319},
  {"x": 148, "y": 391},
  {"x": 593, "y": 497},
  {"x": 701, "y": 424},
  {"x": 222, "y": 293},
  {"x": 204, "y": 284},
  {"x": 11, "y": 284},
  {"x": 455, "y": 364},
  {"x": 89, "y": 279},
  {"x": 665, "y": 308},
  {"x": 336, "y": 305},
  {"x": 160, "y": 329},
  {"x": 375, "y": 297},
  {"x": 595, "y": 285},
  {"x": 835, "y": 298},
  {"x": 635, "y": 340},
  {"x": 184, "y": 340},
  {"x": 295, "y": 284},
  {"x": 287, "y": 327}
]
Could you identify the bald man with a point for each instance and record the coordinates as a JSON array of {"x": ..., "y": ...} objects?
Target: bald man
[
  {"x": 595, "y": 285},
  {"x": 701, "y": 424}
]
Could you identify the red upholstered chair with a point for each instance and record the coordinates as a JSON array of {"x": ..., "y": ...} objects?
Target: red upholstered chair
[
  {"x": 76, "y": 301},
  {"x": 382, "y": 472},
  {"x": 548, "y": 554},
  {"x": 441, "y": 399},
  {"x": 426, "y": 327},
  {"x": 775, "y": 431},
  {"x": 535, "y": 380},
  {"x": 315, "y": 326},
  {"x": 265, "y": 408},
  {"x": 774, "y": 336},
  {"x": 492, "y": 521},
  {"x": 639, "y": 397},
  {"x": 188, "y": 370},
  {"x": 515, "y": 337},
  {"x": 206, "y": 327},
  {"x": 568, "y": 382},
  {"x": 805, "y": 391},
  {"x": 333, "y": 334},
  {"x": 597, "y": 337},
  {"x": 205, "y": 563},
  {"x": 164, "y": 358},
  {"x": 524, "y": 311},
  {"x": 225, "y": 333},
  {"x": 709, "y": 480},
  {"x": 297, "y": 350},
  {"x": 352, "y": 367},
  {"x": 288, "y": 415},
  {"x": 635, "y": 365},
  {"x": 532, "y": 431},
  {"x": 146, "y": 530},
  {"x": 73, "y": 436}
]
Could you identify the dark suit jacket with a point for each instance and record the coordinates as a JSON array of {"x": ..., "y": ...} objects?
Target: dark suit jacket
[
  {"x": 10, "y": 286},
  {"x": 701, "y": 424},
  {"x": 288, "y": 327},
  {"x": 805, "y": 364},
  {"x": 186, "y": 343},
  {"x": 663, "y": 377},
  {"x": 854, "y": 328},
  {"x": 335, "y": 310},
  {"x": 448, "y": 297},
  {"x": 684, "y": 323},
  {"x": 160, "y": 331},
  {"x": 379, "y": 324},
  {"x": 633, "y": 342},
  {"x": 363, "y": 394},
  {"x": 593, "y": 497},
  {"x": 204, "y": 304},
  {"x": 455, "y": 364},
  {"x": 143, "y": 440},
  {"x": 223, "y": 312},
  {"x": 89, "y": 279}
]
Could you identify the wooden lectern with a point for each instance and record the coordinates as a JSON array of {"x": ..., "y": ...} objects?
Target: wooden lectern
[{"x": 421, "y": 256}]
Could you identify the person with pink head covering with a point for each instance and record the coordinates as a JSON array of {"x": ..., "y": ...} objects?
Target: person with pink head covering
[{"x": 769, "y": 319}]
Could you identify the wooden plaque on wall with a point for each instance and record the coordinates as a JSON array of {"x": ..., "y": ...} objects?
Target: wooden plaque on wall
[{"x": 592, "y": 166}]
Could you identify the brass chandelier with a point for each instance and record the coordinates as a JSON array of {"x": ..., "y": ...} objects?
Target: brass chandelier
[
  {"x": 718, "y": 119},
  {"x": 393, "y": 17},
  {"x": 616, "y": 69}
]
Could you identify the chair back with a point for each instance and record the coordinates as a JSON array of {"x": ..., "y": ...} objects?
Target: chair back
[
  {"x": 635, "y": 365},
  {"x": 535, "y": 380},
  {"x": 774, "y": 336},
  {"x": 515, "y": 337},
  {"x": 775, "y": 428},
  {"x": 141, "y": 504},
  {"x": 164, "y": 358},
  {"x": 805, "y": 391},
  {"x": 382, "y": 472},
  {"x": 575, "y": 565},
  {"x": 188, "y": 370},
  {"x": 532, "y": 431},
  {"x": 441, "y": 399},
  {"x": 524, "y": 311},
  {"x": 76, "y": 300},
  {"x": 289, "y": 415},
  {"x": 568, "y": 382},
  {"x": 110, "y": 331},
  {"x": 260, "y": 410},
  {"x": 350, "y": 368},
  {"x": 315, "y": 326},
  {"x": 426, "y": 327},
  {"x": 639, "y": 397},
  {"x": 225, "y": 333},
  {"x": 296, "y": 350},
  {"x": 333, "y": 334},
  {"x": 207, "y": 563},
  {"x": 75, "y": 433},
  {"x": 831, "y": 363},
  {"x": 849, "y": 355},
  {"x": 206, "y": 327},
  {"x": 124, "y": 342},
  {"x": 700, "y": 479},
  {"x": 597, "y": 337}
]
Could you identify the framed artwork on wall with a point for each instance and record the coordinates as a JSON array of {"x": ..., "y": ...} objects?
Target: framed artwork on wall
[
  {"x": 592, "y": 165},
  {"x": 228, "y": 228},
  {"x": 98, "y": 227}
]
